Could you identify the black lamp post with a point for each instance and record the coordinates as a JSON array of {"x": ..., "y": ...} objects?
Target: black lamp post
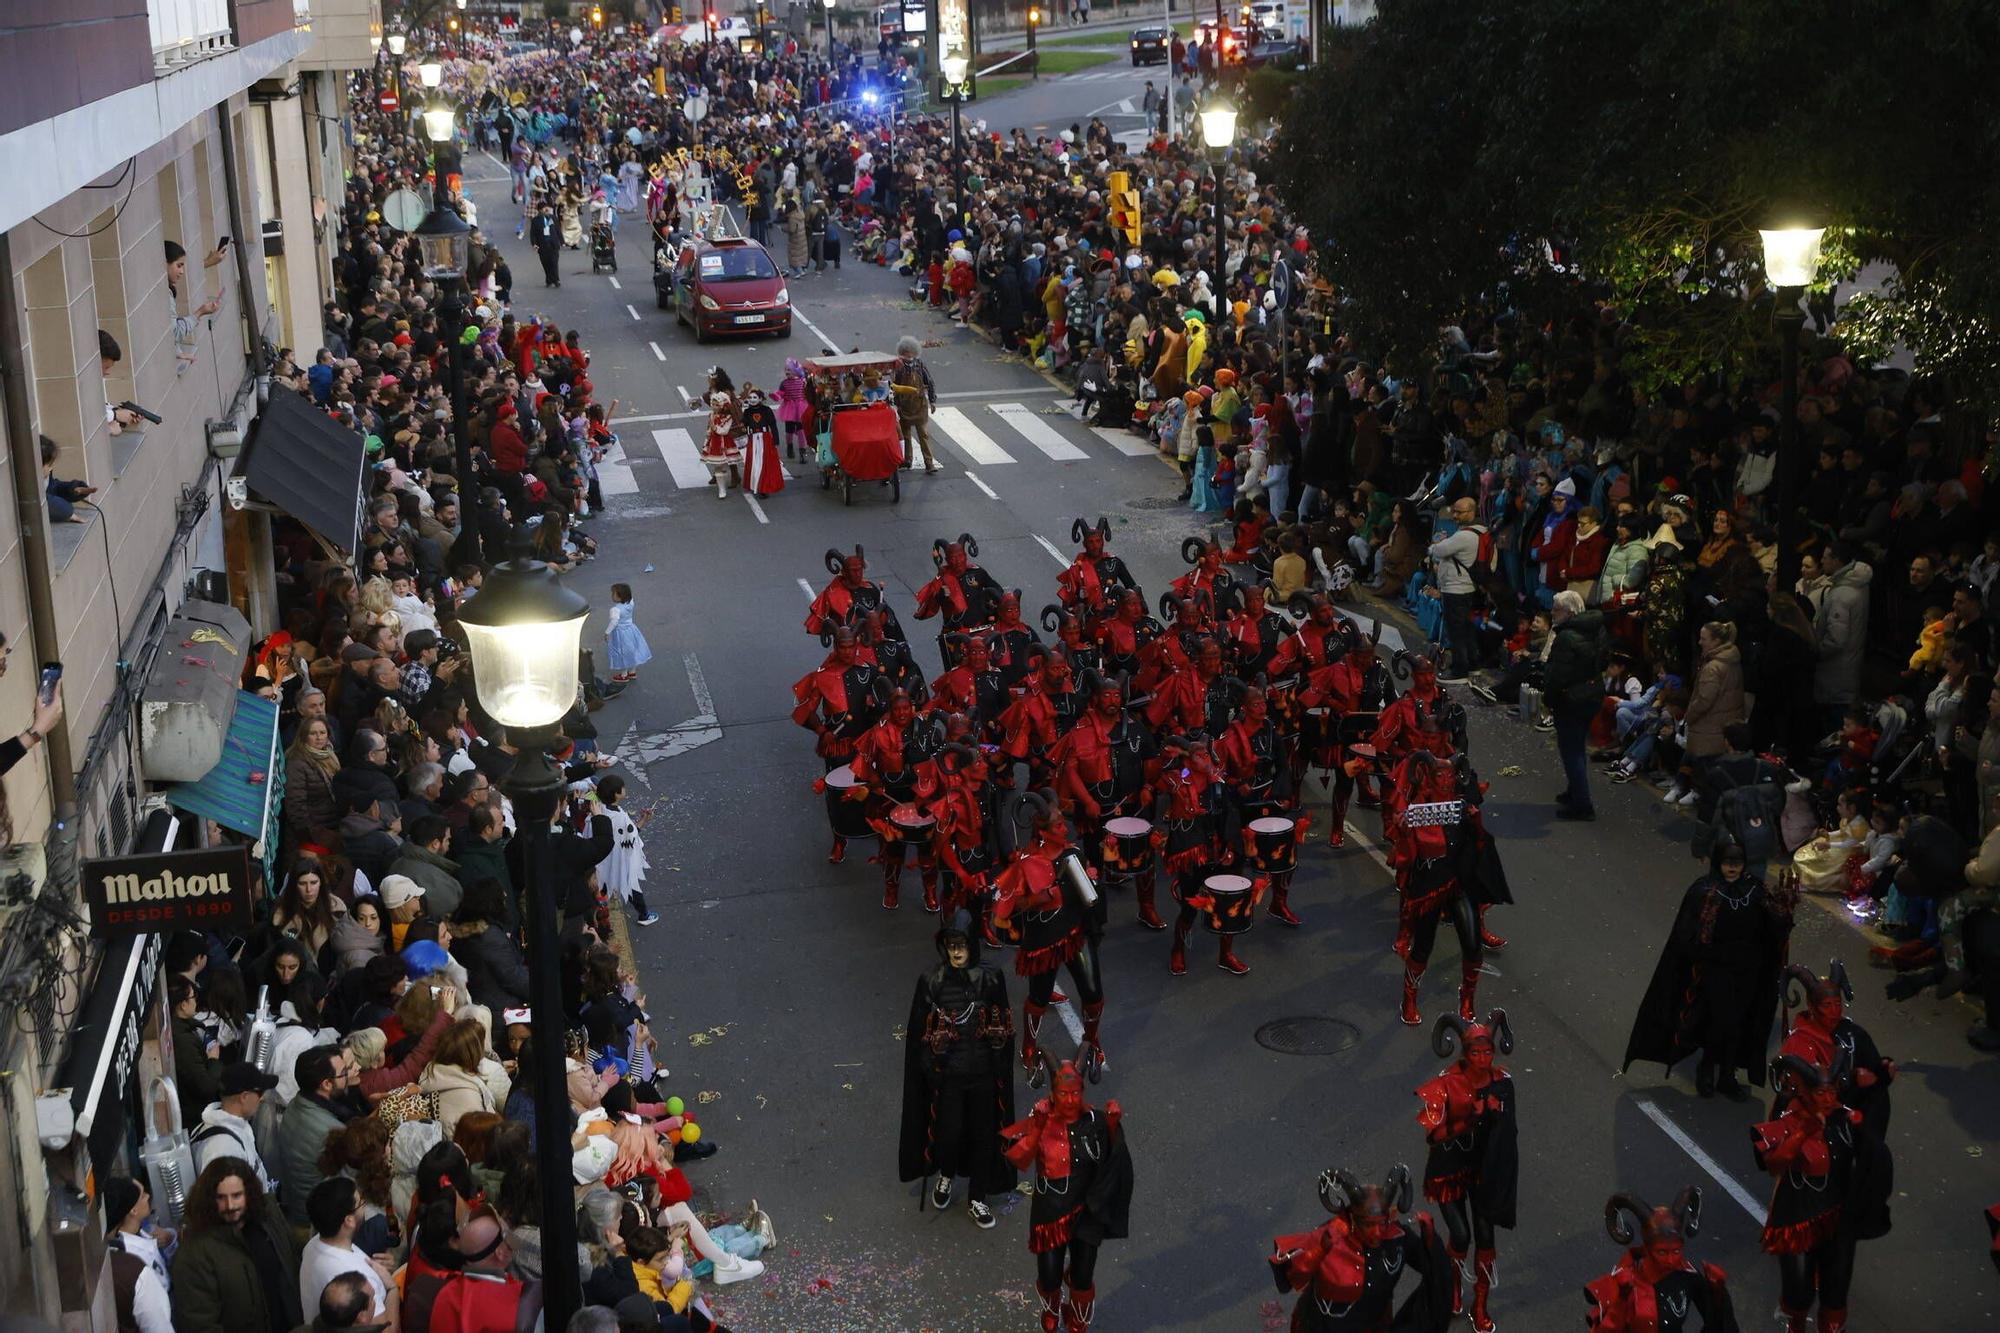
[
  {"x": 955, "y": 67},
  {"x": 446, "y": 242},
  {"x": 523, "y": 632},
  {"x": 397, "y": 44},
  {"x": 1218, "y": 131},
  {"x": 1791, "y": 260}
]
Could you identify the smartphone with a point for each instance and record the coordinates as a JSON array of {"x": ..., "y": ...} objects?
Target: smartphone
[
  {"x": 222, "y": 244},
  {"x": 46, "y": 691}
]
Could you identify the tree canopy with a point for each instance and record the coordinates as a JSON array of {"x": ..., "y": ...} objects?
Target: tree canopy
[{"x": 1441, "y": 151}]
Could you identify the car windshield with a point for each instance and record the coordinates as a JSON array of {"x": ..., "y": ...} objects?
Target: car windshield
[
  {"x": 735, "y": 263},
  {"x": 1150, "y": 34}
]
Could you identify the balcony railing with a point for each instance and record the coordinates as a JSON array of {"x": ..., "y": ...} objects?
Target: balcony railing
[{"x": 185, "y": 30}]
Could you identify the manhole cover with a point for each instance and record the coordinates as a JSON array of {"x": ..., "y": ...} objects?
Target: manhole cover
[
  {"x": 1155, "y": 502},
  {"x": 1307, "y": 1035}
]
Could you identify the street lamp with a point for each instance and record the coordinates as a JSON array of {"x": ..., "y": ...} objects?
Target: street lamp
[
  {"x": 446, "y": 244},
  {"x": 397, "y": 41},
  {"x": 1791, "y": 261},
  {"x": 522, "y": 632},
  {"x": 1218, "y": 131},
  {"x": 829, "y": 29},
  {"x": 431, "y": 74},
  {"x": 955, "y": 67}
]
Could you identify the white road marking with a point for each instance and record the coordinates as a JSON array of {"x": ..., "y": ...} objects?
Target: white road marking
[
  {"x": 1038, "y": 432},
  {"x": 657, "y": 353},
  {"x": 826, "y": 342},
  {"x": 616, "y": 286},
  {"x": 1067, "y": 1012},
  {"x": 1124, "y": 441},
  {"x": 614, "y": 474},
  {"x": 655, "y": 416},
  {"x": 1730, "y": 1185},
  {"x": 1125, "y": 107},
  {"x": 687, "y": 399},
  {"x": 807, "y": 589},
  {"x": 973, "y": 442},
  {"x": 677, "y": 447},
  {"x": 756, "y": 508},
  {"x": 990, "y": 493},
  {"x": 1003, "y": 393},
  {"x": 1050, "y": 547},
  {"x": 638, "y": 752},
  {"x": 633, "y": 311}
]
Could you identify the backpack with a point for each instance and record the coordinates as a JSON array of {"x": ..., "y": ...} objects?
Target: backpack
[{"x": 1749, "y": 814}]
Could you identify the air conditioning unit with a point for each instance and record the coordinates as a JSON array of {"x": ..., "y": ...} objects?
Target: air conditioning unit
[
  {"x": 225, "y": 437},
  {"x": 274, "y": 238}
]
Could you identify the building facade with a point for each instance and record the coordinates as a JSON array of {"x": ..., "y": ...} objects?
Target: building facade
[{"x": 132, "y": 131}]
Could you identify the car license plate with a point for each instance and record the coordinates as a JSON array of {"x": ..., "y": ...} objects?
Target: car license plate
[{"x": 749, "y": 319}]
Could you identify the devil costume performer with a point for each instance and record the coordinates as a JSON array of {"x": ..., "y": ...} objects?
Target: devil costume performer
[
  {"x": 1124, "y": 639},
  {"x": 964, "y": 809},
  {"x": 1445, "y": 865},
  {"x": 1252, "y": 630},
  {"x": 1083, "y": 1193},
  {"x": 1824, "y": 1036},
  {"x": 1832, "y": 1192},
  {"x": 958, "y": 1074},
  {"x": 1340, "y": 701},
  {"x": 1104, "y": 764},
  {"x": 1044, "y": 887},
  {"x": 838, "y": 702},
  {"x": 1655, "y": 1286},
  {"x": 963, "y": 595},
  {"x": 1092, "y": 579},
  {"x": 1346, "y": 1272},
  {"x": 1474, "y": 1165},
  {"x": 851, "y": 595},
  {"x": 972, "y": 686},
  {"x": 1201, "y": 874},
  {"x": 894, "y": 769},
  {"x": 1030, "y": 725},
  {"x": 1199, "y": 699},
  {"x": 1715, "y": 989},
  {"x": 1263, "y": 820}
]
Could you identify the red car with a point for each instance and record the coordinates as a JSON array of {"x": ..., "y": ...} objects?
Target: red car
[{"x": 726, "y": 286}]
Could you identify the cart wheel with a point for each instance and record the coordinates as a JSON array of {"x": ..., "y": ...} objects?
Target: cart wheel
[
  {"x": 896, "y": 487},
  {"x": 846, "y": 489}
]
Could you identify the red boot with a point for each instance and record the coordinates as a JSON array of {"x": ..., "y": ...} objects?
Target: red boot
[
  {"x": 1031, "y": 1033},
  {"x": 1052, "y": 1309},
  {"x": 1281, "y": 902},
  {"x": 1404, "y": 925},
  {"x": 1093, "y": 1018},
  {"x": 1483, "y": 1281},
  {"x": 1832, "y": 1321},
  {"x": 1487, "y": 939},
  {"x": 892, "y": 876},
  {"x": 1227, "y": 959},
  {"x": 1413, "y": 976},
  {"x": 1795, "y": 1320},
  {"x": 839, "y": 852},
  {"x": 1177, "y": 960},
  {"x": 1080, "y": 1310},
  {"x": 1468, "y": 989},
  {"x": 1149, "y": 916},
  {"x": 929, "y": 876},
  {"x": 1457, "y": 1283}
]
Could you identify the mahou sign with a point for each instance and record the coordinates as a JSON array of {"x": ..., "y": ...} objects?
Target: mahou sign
[{"x": 207, "y": 889}]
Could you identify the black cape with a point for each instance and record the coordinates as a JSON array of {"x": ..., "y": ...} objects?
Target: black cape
[
  {"x": 1499, "y": 1166},
  {"x": 993, "y": 1173},
  {"x": 1107, "y": 1204},
  {"x": 1660, "y": 1030},
  {"x": 1427, "y": 1309}
]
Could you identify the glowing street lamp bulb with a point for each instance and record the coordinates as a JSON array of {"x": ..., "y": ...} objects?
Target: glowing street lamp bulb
[
  {"x": 954, "y": 67},
  {"x": 1791, "y": 255},
  {"x": 1218, "y": 124},
  {"x": 397, "y": 41},
  {"x": 431, "y": 73}
]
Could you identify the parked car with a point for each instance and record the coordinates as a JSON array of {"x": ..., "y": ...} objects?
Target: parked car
[
  {"x": 721, "y": 287},
  {"x": 1151, "y": 46}
]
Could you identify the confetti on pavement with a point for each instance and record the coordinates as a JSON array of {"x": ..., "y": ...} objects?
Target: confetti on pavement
[{"x": 707, "y": 1095}]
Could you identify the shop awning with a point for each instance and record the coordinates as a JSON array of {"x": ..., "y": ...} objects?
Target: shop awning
[
  {"x": 309, "y": 465},
  {"x": 243, "y": 790},
  {"x": 104, "y": 1043}
]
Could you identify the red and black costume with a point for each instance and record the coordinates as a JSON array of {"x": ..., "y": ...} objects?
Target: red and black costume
[
  {"x": 1104, "y": 767},
  {"x": 1336, "y": 699},
  {"x": 963, "y": 595},
  {"x": 1092, "y": 580},
  {"x": 1030, "y": 725},
  {"x": 838, "y": 702},
  {"x": 1322, "y": 639},
  {"x": 1205, "y": 583},
  {"x": 851, "y": 595},
  {"x": 1474, "y": 1167},
  {"x": 972, "y": 686},
  {"x": 1824, "y": 1036},
  {"x": 1188, "y": 829},
  {"x": 1253, "y": 632},
  {"x": 1445, "y": 864},
  {"x": 1257, "y": 784},
  {"x": 964, "y": 808},
  {"x": 1083, "y": 1194},
  {"x": 1125, "y": 640},
  {"x": 895, "y": 765},
  {"x": 1832, "y": 1192},
  {"x": 1715, "y": 988},
  {"x": 1037, "y": 890},
  {"x": 1012, "y": 644},
  {"x": 1655, "y": 1286},
  {"x": 1347, "y": 1270},
  {"x": 958, "y": 1074},
  {"x": 1197, "y": 699}
]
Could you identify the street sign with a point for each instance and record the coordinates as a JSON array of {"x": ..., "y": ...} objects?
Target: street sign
[
  {"x": 387, "y": 101},
  {"x": 404, "y": 209},
  {"x": 1281, "y": 282},
  {"x": 695, "y": 108}
]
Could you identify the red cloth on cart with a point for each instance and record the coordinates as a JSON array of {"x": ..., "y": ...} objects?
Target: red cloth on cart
[{"x": 868, "y": 442}]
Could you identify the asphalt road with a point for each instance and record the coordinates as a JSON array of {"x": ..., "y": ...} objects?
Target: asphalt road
[{"x": 778, "y": 985}]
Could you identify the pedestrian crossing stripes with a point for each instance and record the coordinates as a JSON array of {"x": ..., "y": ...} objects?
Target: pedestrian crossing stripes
[
  {"x": 970, "y": 430},
  {"x": 1101, "y": 75},
  {"x": 1038, "y": 432}
]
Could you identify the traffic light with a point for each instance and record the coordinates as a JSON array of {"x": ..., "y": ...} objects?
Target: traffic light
[
  {"x": 674, "y": 14},
  {"x": 1125, "y": 215}
]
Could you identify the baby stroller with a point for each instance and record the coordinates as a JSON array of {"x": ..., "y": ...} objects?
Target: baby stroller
[{"x": 603, "y": 248}]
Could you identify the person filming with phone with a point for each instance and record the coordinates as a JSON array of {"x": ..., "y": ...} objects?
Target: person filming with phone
[{"x": 48, "y": 713}]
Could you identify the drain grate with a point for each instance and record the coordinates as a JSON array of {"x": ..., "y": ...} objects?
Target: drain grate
[{"x": 1307, "y": 1034}]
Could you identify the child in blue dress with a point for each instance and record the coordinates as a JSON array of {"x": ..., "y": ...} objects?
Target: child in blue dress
[
  {"x": 624, "y": 643},
  {"x": 1201, "y": 496}
]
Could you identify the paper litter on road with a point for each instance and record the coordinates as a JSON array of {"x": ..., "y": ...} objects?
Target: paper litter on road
[
  {"x": 706, "y": 1095},
  {"x": 704, "y": 1038},
  {"x": 1511, "y": 771}
]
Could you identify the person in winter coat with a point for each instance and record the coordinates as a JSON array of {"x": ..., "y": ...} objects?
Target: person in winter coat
[
  {"x": 1584, "y": 563},
  {"x": 454, "y": 1074},
  {"x": 495, "y": 968},
  {"x": 505, "y": 444},
  {"x": 422, "y": 859},
  {"x": 365, "y": 778},
  {"x": 1573, "y": 685},
  {"x": 1549, "y": 543},
  {"x": 1623, "y": 577},
  {"x": 1717, "y": 700},
  {"x": 1841, "y": 627},
  {"x": 797, "y": 251},
  {"x": 370, "y": 1047},
  {"x": 237, "y": 1267}
]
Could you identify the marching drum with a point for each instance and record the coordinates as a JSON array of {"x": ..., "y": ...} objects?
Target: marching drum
[
  {"x": 1128, "y": 847},
  {"x": 848, "y": 817},
  {"x": 1271, "y": 844},
  {"x": 1235, "y": 905},
  {"x": 912, "y": 825}
]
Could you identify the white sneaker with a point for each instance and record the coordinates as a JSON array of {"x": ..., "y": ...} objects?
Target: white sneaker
[
  {"x": 1672, "y": 795},
  {"x": 739, "y": 1270},
  {"x": 1688, "y": 798}
]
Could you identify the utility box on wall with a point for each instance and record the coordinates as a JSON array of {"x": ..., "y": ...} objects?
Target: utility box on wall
[{"x": 190, "y": 695}]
